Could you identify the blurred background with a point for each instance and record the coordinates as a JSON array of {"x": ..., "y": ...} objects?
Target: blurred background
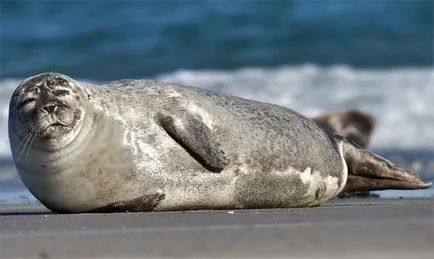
[{"x": 312, "y": 56}]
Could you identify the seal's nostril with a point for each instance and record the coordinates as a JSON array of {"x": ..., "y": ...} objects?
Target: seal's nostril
[{"x": 49, "y": 108}]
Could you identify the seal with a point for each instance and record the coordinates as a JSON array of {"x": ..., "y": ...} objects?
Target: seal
[
  {"x": 354, "y": 125},
  {"x": 140, "y": 145}
]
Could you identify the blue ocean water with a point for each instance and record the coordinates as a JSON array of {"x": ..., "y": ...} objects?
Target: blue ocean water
[
  {"x": 312, "y": 56},
  {"x": 134, "y": 39}
]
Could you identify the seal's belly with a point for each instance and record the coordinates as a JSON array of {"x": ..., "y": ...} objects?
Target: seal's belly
[
  {"x": 285, "y": 189},
  {"x": 249, "y": 189}
]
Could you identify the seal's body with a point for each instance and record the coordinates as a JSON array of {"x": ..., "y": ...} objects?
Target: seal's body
[{"x": 138, "y": 145}]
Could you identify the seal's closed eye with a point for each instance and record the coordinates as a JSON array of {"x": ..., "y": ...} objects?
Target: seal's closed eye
[{"x": 25, "y": 102}]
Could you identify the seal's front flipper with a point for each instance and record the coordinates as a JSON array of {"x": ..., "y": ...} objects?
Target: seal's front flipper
[
  {"x": 143, "y": 203},
  {"x": 195, "y": 137},
  {"x": 353, "y": 125},
  {"x": 367, "y": 171}
]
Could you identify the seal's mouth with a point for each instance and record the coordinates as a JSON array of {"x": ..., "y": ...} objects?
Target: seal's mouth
[
  {"x": 51, "y": 130},
  {"x": 49, "y": 126},
  {"x": 59, "y": 124}
]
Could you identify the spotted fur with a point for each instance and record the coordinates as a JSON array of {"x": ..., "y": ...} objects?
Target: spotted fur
[{"x": 169, "y": 146}]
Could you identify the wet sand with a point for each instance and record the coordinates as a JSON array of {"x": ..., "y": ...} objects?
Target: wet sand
[{"x": 356, "y": 228}]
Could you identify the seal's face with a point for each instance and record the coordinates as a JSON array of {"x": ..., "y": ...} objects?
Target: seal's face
[{"x": 46, "y": 107}]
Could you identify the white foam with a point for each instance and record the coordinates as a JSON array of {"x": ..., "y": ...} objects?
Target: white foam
[{"x": 7, "y": 87}]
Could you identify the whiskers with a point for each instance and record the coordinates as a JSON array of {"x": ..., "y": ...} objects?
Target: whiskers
[
  {"x": 27, "y": 136},
  {"x": 16, "y": 135}
]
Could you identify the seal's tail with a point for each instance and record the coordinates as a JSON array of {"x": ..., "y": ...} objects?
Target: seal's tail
[{"x": 368, "y": 171}]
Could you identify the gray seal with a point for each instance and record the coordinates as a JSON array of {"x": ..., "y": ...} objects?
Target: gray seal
[
  {"x": 140, "y": 145},
  {"x": 354, "y": 125}
]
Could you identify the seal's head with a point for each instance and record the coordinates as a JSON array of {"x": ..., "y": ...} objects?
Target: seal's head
[{"x": 45, "y": 109}]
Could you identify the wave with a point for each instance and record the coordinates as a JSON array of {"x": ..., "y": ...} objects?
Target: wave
[{"x": 400, "y": 99}]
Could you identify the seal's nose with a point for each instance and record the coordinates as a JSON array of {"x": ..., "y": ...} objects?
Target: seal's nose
[{"x": 49, "y": 108}]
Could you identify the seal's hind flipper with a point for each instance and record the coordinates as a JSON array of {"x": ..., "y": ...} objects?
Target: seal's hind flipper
[
  {"x": 195, "y": 137},
  {"x": 353, "y": 125},
  {"x": 143, "y": 203},
  {"x": 367, "y": 171}
]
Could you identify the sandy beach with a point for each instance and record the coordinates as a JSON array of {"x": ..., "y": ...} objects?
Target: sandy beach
[{"x": 347, "y": 228}]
